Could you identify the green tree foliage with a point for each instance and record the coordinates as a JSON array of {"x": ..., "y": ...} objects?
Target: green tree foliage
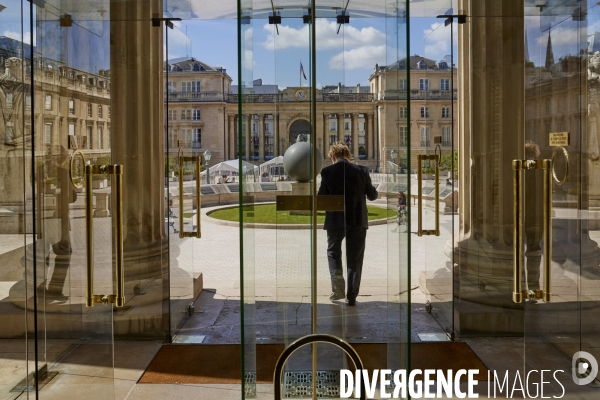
[{"x": 446, "y": 162}]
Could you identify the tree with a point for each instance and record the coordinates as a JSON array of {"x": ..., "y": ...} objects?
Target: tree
[{"x": 446, "y": 162}]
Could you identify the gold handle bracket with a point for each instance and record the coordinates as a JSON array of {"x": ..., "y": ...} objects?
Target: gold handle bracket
[
  {"x": 519, "y": 167},
  {"x": 198, "y": 233},
  {"x": 119, "y": 298},
  {"x": 420, "y": 230}
]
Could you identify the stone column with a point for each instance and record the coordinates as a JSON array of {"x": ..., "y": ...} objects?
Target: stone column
[
  {"x": 325, "y": 134},
  {"x": 369, "y": 127},
  {"x": 261, "y": 137},
  {"x": 354, "y": 127},
  {"x": 233, "y": 137},
  {"x": 340, "y": 127},
  {"x": 277, "y": 147},
  {"x": 247, "y": 133},
  {"x": 136, "y": 69},
  {"x": 485, "y": 253}
]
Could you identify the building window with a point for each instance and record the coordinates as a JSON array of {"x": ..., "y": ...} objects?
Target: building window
[
  {"x": 548, "y": 107},
  {"x": 402, "y": 134},
  {"x": 332, "y": 125},
  {"x": 48, "y": 133},
  {"x": 346, "y": 126},
  {"x": 171, "y": 87},
  {"x": 186, "y": 136},
  {"x": 89, "y": 109},
  {"x": 71, "y": 106},
  {"x": 197, "y": 138},
  {"x": 108, "y": 111},
  {"x": 99, "y": 111},
  {"x": 332, "y": 139},
  {"x": 72, "y": 129},
  {"x": 403, "y": 112},
  {"x": 171, "y": 115},
  {"x": 172, "y": 141},
  {"x": 446, "y": 136},
  {"x": 445, "y": 112},
  {"x": 48, "y": 102},
  {"x": 186, "y": 115},
  {"x": 425, "y": 136},
  {"x": 268, "y": 127},
  {"x": 402, "y": 84},
  {"x": 99, "y": 137},
  {"x": 88, "y": 135},
  {"x": 445, "y": 84},
  {"x": 361, "y": 126},
  {"x": 190, "y": 87},
  {"x": 196, "y": 115},
  {"x": 423, "y": 84},
  {"x": 424, "y": 112}
]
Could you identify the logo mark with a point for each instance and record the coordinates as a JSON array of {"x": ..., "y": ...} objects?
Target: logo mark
[{"x": 584, "y": 368}]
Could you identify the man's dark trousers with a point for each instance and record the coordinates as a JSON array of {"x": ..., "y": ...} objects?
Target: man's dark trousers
[{"x": 355, "y": 252}]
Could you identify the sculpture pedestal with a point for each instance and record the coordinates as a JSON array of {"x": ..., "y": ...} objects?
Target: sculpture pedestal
[{"x": 300, "y": 189}]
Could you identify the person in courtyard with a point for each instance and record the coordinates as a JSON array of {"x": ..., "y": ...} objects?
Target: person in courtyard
[{"x": 354, "y": 183}]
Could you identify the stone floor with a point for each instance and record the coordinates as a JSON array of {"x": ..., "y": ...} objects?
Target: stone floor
[{"x": 277, "y": 290}]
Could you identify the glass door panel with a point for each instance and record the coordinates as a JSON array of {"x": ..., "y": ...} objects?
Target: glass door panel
[
  {"x": 183, "y": 175},
  {"x": 434, "y": 101},
  {"x": 558, "y": 248},
  {"x": 80, "y": 240},
  {"x": 287, "y": 283},
  {"x": 17, "y": 229}
]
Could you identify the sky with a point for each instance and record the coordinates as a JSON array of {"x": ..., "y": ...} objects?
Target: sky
[{"x": 347, "y": 57}]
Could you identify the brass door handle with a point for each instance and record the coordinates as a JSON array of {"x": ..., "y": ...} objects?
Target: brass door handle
[
  {"x": 117, "y": 172},
  {"x": 420, "y": 230},
  {"x": 198, "y": 233},
  {"x": 519, "y": 167}
]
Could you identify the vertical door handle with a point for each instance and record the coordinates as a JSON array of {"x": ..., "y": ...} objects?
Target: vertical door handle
[
  {"x": 198, "y": 233},
  {"x": 117, "y": 172},
  {"x": 420, "y": 230},
  {"x": 519, "y": 167}
]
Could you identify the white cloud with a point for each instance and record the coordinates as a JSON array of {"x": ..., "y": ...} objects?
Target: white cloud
[
  {"x": 436, "y": 41},
  {"x": 328, "y": 38},
  {"x": 561, "y": 37},
  {"x": 17, "y": 36},
  {"x": 360, "y": 57}
]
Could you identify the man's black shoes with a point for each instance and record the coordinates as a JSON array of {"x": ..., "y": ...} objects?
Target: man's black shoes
[
  {"x": 336, "y": 296},
  {"x": 351, "y": 303}
]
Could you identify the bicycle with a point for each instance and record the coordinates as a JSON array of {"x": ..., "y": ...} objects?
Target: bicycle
[{"x": 402, "y": 219}]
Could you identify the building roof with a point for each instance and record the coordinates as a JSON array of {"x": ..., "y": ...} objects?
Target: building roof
[
  {"x": 418, "y": 63},
  {"x": 190, "y": 64}
]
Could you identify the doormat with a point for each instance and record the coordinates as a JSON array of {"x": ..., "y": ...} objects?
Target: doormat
[
  {"x": 219, "y": 363},
  {"x": 202, "y": 364},
  {"x": 431, "y": 355}
]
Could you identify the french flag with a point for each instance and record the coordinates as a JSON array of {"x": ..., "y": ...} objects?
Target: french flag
[{"x": 302, "y": 71}]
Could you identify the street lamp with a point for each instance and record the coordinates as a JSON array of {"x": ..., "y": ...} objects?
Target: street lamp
[
  {"x": 207, "y": 156},
  {"x": 394, "y": 154}
]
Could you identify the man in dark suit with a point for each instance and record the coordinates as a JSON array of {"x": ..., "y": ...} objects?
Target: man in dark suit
[{"x": 354, "y": 183}]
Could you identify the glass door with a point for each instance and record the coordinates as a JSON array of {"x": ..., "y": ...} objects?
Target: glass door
[
  {"x": 76, "y": 264},
  {"x": 301, "y": 270},
  {"x": 436, "y": 194},
  {"x": 17, "y": 337},
  {"x": 184, "y": 156}
]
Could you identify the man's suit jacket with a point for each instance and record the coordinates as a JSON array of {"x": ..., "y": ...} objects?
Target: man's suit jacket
[{"x": 354, "y": 182}]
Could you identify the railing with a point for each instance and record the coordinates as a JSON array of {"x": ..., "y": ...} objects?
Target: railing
[
  {"x": 195, "y": 96},
  {"x": 417, "y": 94},
  {"x": 325, "y": 97}
]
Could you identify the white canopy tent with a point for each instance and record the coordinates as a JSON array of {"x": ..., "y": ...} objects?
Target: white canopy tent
[
  {"x": 230, "y": 168},
  {"x": 274, "y": 163}
]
